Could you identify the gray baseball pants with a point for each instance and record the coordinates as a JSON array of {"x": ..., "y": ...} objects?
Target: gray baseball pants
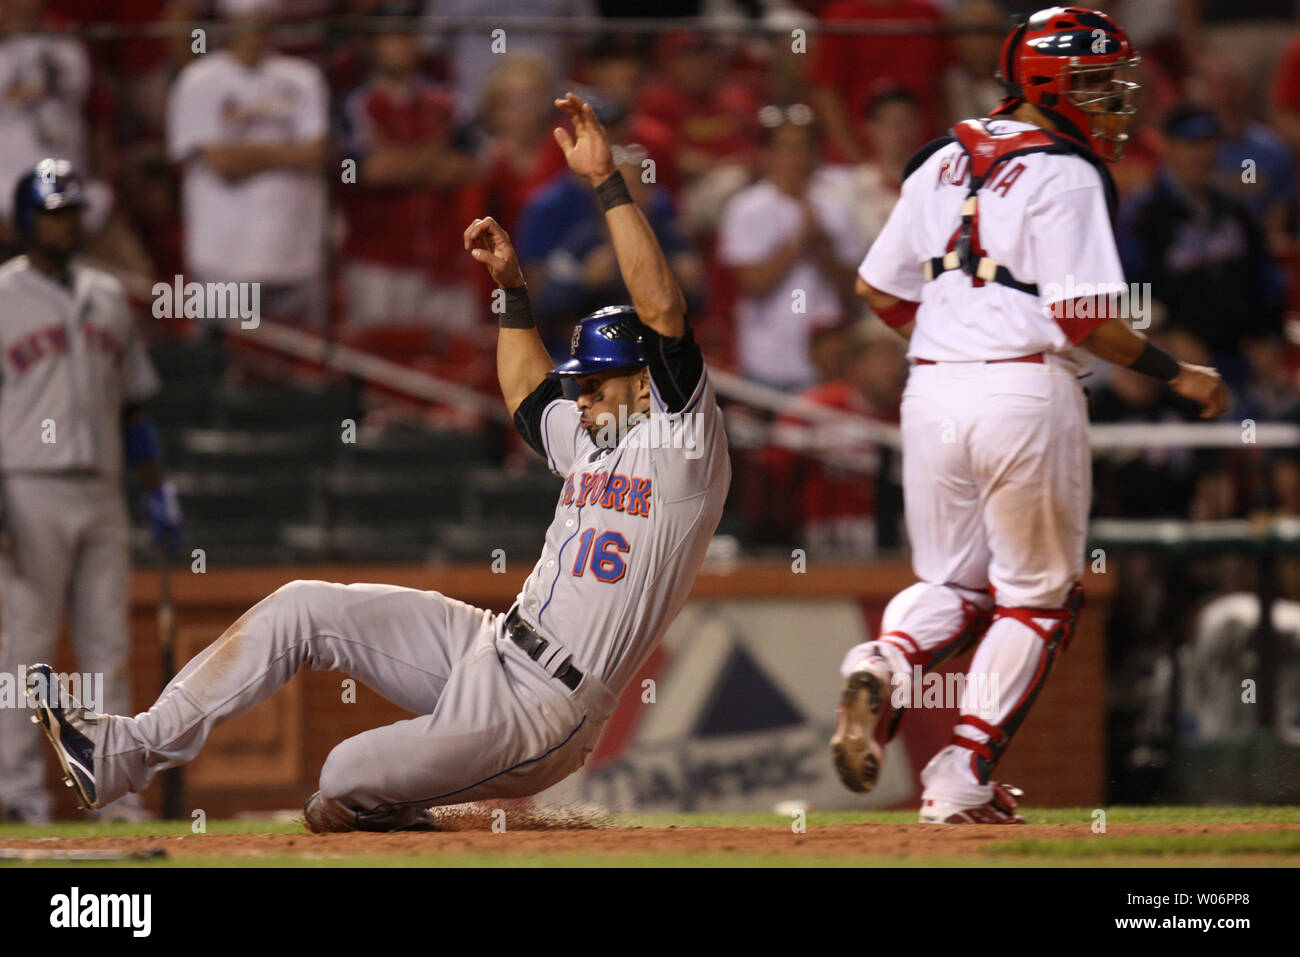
[
  {"x": 69, "y": 553},
  {"x": 492, "y": 722}
]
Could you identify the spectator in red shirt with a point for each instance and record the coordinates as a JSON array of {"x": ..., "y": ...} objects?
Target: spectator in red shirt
[
  {"x": 401, "y": 257},
  {"x": 846, "y": 67},
  {"x": 831, "y": 478},
  {"x": 714, "y": 117}
]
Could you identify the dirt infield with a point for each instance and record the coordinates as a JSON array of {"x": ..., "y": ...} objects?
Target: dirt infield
[{"x": 901, "y": 841}]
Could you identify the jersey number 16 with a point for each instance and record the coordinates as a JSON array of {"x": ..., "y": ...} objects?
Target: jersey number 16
[{"x": 606, "y": 554}]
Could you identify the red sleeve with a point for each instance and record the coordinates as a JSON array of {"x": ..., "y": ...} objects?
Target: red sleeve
[
  {"x": 1079, "y": 318},
  {"x": 899, "y": 314}
]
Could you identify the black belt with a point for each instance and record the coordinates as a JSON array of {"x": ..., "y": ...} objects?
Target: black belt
[{"x": 523, "y": 635}]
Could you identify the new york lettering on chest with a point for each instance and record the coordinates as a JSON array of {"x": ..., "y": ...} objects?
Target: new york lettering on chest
[
  {"x": 611, "y": 490},
  {"x": 52, "y": 340}
]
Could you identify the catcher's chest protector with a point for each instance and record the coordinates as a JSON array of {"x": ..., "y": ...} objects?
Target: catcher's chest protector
[{"x": 984, "y": 153}]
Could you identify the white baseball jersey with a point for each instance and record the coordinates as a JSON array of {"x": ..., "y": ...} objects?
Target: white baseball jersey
[
  {"x": 72, "y": 358},
  {"x": 1043, "y": 216},
  {"x": 633, "y": 522},
  {"x": 268, "y": 226}
]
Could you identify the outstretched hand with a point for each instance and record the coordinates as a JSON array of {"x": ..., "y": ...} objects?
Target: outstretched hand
[
  {"x": 589, "y": 155},
  {"x": 489, "y": 244}
]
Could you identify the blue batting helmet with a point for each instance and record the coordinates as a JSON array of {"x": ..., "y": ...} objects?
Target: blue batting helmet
[
  {"x": 50, "y": 184},
  {"x": 609, "y": 338}
]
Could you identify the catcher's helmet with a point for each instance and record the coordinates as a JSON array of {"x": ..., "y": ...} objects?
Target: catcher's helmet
[
  {"x": 1078, "y": 67},
  {"x": 609, "y": 338},
  {"x": 50, "y": 184}
]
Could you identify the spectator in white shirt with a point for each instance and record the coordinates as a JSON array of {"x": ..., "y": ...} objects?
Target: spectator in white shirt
[
  {"x": 44, "y": 81},
  {"x": 249, "y": 125},
  {"x": 44, "y": 88},
  {"x": 793, "y": 245},
  {"x": 894, "y": 130}
]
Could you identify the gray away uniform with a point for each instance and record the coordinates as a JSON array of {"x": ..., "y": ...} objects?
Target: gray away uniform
[
  {"x": 629, "y": 535},
  {"x": 70, "y": 359}
]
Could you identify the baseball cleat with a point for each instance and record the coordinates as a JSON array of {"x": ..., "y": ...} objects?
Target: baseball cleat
[
  {"x": 999, "y": 809},
  {"x": 857, "y": 748},
  {"x": 324, "y": 816},
  {"x": 70, "y": 731}
]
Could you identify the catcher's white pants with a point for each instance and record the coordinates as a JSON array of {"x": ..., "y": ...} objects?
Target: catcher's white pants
[
  {"x": 68, "y": 554},
  {"x": 491, "y": 722},
  {"x": 996, "y": 482}
]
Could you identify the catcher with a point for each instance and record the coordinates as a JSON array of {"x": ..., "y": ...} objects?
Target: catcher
[{"x": 994, "y": 222}]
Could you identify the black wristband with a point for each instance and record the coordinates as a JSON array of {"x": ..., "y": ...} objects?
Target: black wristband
[
  {"x": 518, "y": 313},
  {"x": 613, "y": 192},
  {"x": 1155, "y": 362}
]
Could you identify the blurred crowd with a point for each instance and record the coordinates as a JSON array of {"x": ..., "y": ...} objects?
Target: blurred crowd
[{"x": 336, "y": 160}]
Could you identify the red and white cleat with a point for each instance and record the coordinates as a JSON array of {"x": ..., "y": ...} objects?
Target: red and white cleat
[
  {"x": 999, "y": 809},
  {"x": 865, "y": 717}
]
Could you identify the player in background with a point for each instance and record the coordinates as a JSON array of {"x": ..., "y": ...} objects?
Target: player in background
[
  {"x": 507, "y": 705},
  {"x": 989, "y": 266},
  {"x": 74, "y": 377}
]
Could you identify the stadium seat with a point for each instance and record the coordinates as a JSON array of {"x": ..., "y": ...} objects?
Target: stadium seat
[
  {"x": 525, "y": 497},
  {"x": 256, "y": 408},
  {"x": 402, "y": 448},
  {"x": 478, "y": 542},
  {"x": 416, "y": 497},
  {"x": 229, "y": 451}
]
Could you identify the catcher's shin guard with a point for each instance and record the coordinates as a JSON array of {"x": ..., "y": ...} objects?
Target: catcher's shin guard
[
  {"x": 962, "y": 631},
  {"x": 986, "y": 754}
]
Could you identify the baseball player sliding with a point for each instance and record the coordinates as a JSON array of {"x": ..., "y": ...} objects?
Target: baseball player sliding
[
  {"x": 74, "y": 379},
  {"x": 995, "y": 224},
  {"x": 507, "y": 704}
]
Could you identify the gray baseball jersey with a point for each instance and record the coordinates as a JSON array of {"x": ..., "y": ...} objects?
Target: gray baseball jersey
[
  {"x": 633, "y": 521},
  {"x": 70, "y": 359},
  {"x": 629, "y": 534}
]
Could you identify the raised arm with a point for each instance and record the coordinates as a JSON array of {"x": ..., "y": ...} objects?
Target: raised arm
[
  {"x": 522, "y": 361},
  {"x": 656, "y": 296}
]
